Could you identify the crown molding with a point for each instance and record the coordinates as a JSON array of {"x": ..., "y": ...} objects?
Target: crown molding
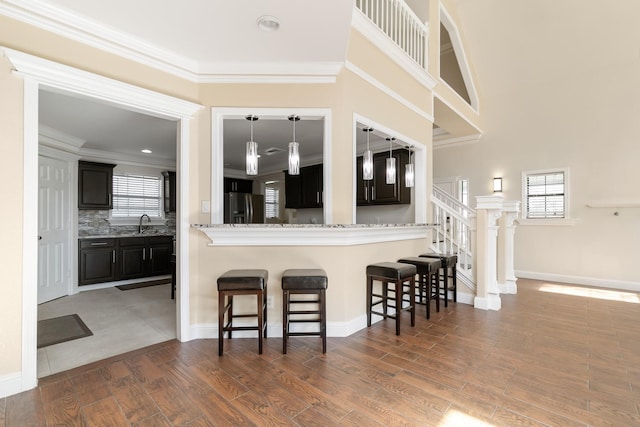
[
  {"x": 93, "y": 33},
  {"x": 60, "y": 140},
  {"x": 454, "y": 142}
]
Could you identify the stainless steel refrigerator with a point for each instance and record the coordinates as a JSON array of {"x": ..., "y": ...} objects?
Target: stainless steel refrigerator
[{"x": 243, "y": 208}]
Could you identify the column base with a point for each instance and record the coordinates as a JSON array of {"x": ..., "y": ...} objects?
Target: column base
[
  {"x": 509, "y": 287},
  {"x": 490, "y": 302}
]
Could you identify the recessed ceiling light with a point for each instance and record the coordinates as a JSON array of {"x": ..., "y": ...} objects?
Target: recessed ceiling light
[
  {"x": 146, "y": 151},
  {"x": 268, "y": 23}
]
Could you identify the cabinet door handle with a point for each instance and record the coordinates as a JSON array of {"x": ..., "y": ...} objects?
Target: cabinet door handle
[
  {"x": 144, "y": 254},
  {"x": 373, "y": 193},
  {"x": 98, "y": 243},
  {"x": 317, "y": 197},
  {"x": 151, "y": 253},
  {"x": 113, "y": 256}
]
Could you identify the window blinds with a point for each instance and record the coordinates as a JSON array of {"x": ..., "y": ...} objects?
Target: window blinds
[
  {"x": 135, "y": 195},
  {"x": 271, "y": 201},
  {"x": 545, "y": 195}
]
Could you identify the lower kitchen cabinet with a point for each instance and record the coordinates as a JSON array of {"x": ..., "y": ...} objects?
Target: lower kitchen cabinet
[
  {"x": 97, "y": 261},
  {"x": 107, "y": 260}
]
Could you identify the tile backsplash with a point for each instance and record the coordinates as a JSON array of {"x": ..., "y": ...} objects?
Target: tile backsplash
[{"x": 94, "y": 223}]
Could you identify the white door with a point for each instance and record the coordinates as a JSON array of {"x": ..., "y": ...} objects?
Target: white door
[{"x": 54, "y": 267}]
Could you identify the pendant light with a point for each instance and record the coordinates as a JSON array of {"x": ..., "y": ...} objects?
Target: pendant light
[
  {"x": 391, "y": 164},
  {"x": 294, "y": 154},
  {"x": 367, "y": 159},
  {"x": 409, "y": 175},
  {"x": 252, "y": 149}
]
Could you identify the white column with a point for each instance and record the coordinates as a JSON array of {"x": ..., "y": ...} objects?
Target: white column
[
  {"x": 506, "y": 274},
  {"x": 488, "y": 211}
]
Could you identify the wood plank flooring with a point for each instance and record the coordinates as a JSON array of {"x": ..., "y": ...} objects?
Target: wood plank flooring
[{"x": 545, "y": 359}]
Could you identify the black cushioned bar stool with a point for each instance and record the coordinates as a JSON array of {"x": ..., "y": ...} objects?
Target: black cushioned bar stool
[
  {"x": 397, "y": 274},
  {"x": 447, "y": 263},
  {"x": 242, "y": 282},
  {"x": 428, "y": 283},
  {"x": 304, "y": 281}
]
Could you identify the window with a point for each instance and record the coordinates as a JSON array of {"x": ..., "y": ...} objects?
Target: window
[
  {"x": 545, "y": 194},
  {"x": 272, "y": 202},
  {"x": 135, "y": 195}
]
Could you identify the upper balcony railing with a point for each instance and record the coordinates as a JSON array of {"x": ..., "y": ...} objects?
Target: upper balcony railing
[{"x": 400, "y": 24}]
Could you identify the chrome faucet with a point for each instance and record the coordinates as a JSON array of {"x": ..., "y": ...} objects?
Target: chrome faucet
[{"x": 140, "y": 223}]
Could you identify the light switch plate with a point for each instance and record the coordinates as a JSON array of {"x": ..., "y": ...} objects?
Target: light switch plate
[{"x": 206, "y": 206}]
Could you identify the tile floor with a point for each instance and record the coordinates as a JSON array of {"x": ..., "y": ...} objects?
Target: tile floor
[{"x": 121, "y": 321}]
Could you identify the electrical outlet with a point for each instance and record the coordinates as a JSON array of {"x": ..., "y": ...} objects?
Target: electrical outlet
[{"x": 270, "y": 301}]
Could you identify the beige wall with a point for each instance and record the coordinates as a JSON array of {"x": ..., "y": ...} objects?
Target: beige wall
[
  {"x": 11, "y": 155},
  {"x": 347, "y": 96}
]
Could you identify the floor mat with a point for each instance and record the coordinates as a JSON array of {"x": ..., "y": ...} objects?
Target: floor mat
[
  {"x": 61, "y": 329},
  {"x": 143, "y": 284}
]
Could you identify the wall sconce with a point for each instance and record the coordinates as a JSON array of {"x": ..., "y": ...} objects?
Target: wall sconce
[
  {"x": 409, "y": 175},
  {"x": 391, "y": 164},
  {"x": 367, "y": 158},
  {"x": 294, "y": 154},
  {"x": 252, "y": 149},
  {"x": 497, "y": 185}
]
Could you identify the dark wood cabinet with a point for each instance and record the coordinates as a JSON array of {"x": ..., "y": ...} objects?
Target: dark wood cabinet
[
  {"x": 377, "y": 191},
  {"x": 304, "y": 190},
  {"x": 95, "y": 185},
  {"x": 131, "y": 258},
  {"x": 169, "y": 191},
  {"x": 293, "y": 191},
  {"x": 107, "y": 260},
  {"x": 235, "y": 185},
  {"x": 96, "y": 261},
  {"x": 160, "y": 250}
]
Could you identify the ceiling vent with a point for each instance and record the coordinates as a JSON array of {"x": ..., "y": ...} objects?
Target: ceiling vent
[{"x": 273, "y": 150}]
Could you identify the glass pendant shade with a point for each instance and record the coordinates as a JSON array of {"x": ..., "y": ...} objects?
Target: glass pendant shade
[
  {"x": 367, "y": 165},
  {"x": 409, "y": 176},
  {"x": 252, "y": 158},
  {"x": 252, "y": 149},
  {"x": 391, "y": 170},
  {"x": 367, "y": 159},
  {"x": 294, "y": 149},
  {"x": 294, "y": 158}
]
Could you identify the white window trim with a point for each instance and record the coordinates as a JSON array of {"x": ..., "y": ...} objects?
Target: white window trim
[{"x": 567, "y": 220}]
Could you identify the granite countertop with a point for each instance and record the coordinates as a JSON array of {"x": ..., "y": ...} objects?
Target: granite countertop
[
  {"x": 117, "y": 236},
  {"x": 313, "y": 225}
]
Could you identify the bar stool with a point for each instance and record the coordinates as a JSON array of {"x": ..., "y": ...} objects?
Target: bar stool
[
  {"x": 426, "y": 268},
  {"x": 304, "y": 281},
  {"x": 242, "y": 282},
  {"x": 448, "y": 262},
  {"x": 396, "y": 273}
]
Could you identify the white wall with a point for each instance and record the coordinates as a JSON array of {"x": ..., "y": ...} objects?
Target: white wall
[{"x": 545, "y": 105}]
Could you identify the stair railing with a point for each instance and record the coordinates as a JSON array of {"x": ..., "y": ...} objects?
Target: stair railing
[{"x": 455, "y": 232}]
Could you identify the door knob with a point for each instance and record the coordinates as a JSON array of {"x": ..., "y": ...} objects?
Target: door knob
[{"x": 39, "y": 237}]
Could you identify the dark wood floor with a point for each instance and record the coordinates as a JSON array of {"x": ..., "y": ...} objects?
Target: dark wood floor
[{"x": 544, "y": 359}]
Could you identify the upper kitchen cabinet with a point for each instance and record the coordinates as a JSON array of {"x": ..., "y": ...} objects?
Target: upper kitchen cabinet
[
  {"x": 304, "y": 190},
  {"x": 169, "y": 191},
  {"x": 235, "y": 185},
  {"x": 377, "y": 191},
  {"x": 95, "y": 185}
]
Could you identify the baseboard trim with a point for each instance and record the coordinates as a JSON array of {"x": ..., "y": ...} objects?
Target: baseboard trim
[
  {"x": 334, "y": 329},
  {"x": 11, "y": 384},
  {"x": 580, "y": 280}
]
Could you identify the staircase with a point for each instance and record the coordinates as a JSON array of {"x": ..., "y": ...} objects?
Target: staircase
[{"x": 455, "y": 233}]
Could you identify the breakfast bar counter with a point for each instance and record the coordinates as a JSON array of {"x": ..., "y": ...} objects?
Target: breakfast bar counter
[{"x": 343, "y": 251}]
